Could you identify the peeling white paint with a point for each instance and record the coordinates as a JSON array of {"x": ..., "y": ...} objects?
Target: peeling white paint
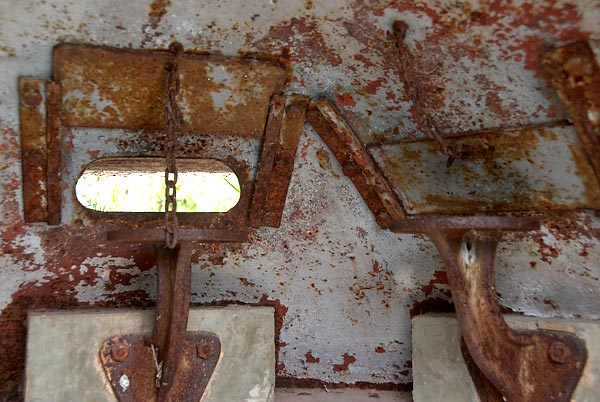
[{"x": 320, "y": 263}]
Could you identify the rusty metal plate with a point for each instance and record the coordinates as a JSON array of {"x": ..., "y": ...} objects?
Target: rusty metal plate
[
  {"x": 574, "y": 73},
  {"x": 286, "y": 119},
  {"x": 129, "y": 365},
  {"x": 54, "y": 150},
  {"x": 121, "y": 88},
  {"x": 34, "y": 160},
  {"x": 527, "y": 169},
  {"x": 356, "y": 163}
]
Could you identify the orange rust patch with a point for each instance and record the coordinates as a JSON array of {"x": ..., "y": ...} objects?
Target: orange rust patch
[
  {"x": 440, "y": 278},
  {"x": 344, "y": 100},
  {"x": 348, "y": 360},
  {"x": 311, "y": 359}
]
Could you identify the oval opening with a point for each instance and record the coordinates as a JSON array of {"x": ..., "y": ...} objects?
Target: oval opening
[{"x": 138, "y": 185}]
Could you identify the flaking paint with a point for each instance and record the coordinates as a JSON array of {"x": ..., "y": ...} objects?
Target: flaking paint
[{"x": 478, "y": 62}]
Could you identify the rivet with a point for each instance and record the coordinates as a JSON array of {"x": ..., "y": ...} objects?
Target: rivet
[
  {"x": 119, "y": 353},
  {"x": 32, "y": 98},
  {"x": 176, "y": 48},
  {"x": 559, "y": 352},
  {"x": 204, "y": 350}
]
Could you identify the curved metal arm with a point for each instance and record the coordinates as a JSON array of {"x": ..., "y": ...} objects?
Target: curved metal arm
[{"x": 525, "y": 366}]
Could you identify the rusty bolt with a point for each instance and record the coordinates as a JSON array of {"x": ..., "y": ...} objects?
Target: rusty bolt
[
  {"x": 559, "y": 352},
  {"x": 32, "y": 98},
  {"x": 205, "y": 350},
  {"x": 119, "y": 352},
  {"x": 176, "y": 48}
]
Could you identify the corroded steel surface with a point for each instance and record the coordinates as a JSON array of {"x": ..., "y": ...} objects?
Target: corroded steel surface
[
  {"x": 54, "y": 151},
  {"x": 356, "y": 162},
  {"x": 527, "y": 366},
  {"x": 331, "y": 272},
  {"x": 130, "y": 355},
  {"x": 121, "y": 88},
  {"x": 574, "y": 71},
  {"x": 280, "y": 172},
  {"x": 34, "y": 159},
  {"x": 502, "y": 170},
  {"x": 450, "y": 223},
  {"x": 267, "y": 159}
]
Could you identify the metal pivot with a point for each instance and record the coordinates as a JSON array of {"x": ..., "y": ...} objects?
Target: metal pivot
[{"x": 523, "y": 365}]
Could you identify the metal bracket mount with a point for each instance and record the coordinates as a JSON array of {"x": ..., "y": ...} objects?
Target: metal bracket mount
[{"x": 523, "y": 366}]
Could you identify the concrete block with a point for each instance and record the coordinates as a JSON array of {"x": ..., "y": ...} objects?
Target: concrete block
[
  {"x": 440, "y": 373},
  {"x": 63, "y": 361}
]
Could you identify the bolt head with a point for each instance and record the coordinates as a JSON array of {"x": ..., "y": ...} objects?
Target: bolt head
[
  {"x": 32, "y": 98},
  {"x": 559, "y": 352},
  {"x": 119, "y": 353},
  {"x": 205, "y": 350},
  {"x": 176, "y": 48}
]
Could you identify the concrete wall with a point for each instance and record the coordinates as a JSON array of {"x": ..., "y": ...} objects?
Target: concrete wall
[{"x": 344, "y": 288}]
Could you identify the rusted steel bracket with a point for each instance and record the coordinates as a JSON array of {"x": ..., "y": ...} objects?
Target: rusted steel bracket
[
  {"x": 173, "y": 365},
  {"x": 524, "y": 366},
  {"x": 34, "y": 159},
  {"x": 221, "y": 96},
  {"x": 356, "y": 163},
  {"x": 573, "y": 71},
  {"x": 282, "y": 132}
]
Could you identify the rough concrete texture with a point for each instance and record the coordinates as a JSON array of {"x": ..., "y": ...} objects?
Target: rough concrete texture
[
  {"x": 440, "y": 373},
  {"x": 344, "y": 289},
  {"x": 71, "y": 370}
]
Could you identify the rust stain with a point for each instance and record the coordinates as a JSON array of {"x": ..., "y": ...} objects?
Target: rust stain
[
  {"x": 348, "y": 360},
  {"x": 302, "y": 36},
  {"x": 158, "y": 9},
  {"x": 34, "y": 148},
  {"x": 440, "y": 278},
  {"x": 247, "y": 282},
  {"x": 131, "y": 83},
  {"x": 489, "y": 157},
  {"x": 293, "y": 382},
  {"x": 344, "y": 100},
  {"x": 54, "y": 144},
  {"x": 574, "y": 73},
  {"x": 432, "y": 305},
  {"x": 64, "y": 247},
  {"x": 325, "y": 162},
  {"x": 311, "y": 359}
]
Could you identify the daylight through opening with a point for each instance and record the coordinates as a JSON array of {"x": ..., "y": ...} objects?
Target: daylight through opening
[{"x": 138, "y": 185}]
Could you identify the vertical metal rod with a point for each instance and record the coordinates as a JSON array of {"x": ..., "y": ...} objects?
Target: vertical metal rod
[{"x": 173, "y": 304}]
